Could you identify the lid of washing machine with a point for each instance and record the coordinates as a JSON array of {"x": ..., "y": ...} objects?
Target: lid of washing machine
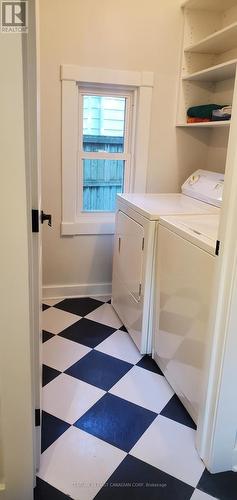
[
  {"x": 152, "y": 206},
  {"x": 201, "y": 230},
  {"x": 205, "y": 186}
]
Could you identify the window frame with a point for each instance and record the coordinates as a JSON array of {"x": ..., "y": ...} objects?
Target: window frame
[
  {"x": 125, "y": 156},
  {"x": 140, "y": 84}
]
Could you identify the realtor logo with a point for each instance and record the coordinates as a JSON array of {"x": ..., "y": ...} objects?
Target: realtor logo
[{"x": 14, "y": 17}]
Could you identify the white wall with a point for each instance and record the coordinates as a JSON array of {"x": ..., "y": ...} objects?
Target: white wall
[
  {"x": 132, "y": 35},
  {"x": 16, "y": 418}
]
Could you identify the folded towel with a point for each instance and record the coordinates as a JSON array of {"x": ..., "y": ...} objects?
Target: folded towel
[
  {"x": 197, "y": 120},
  {"x": 203, "y": 111},
  {"x": 227, "y": 109},
  {"x": 222, "y": 114},
  {"x": 221, "y": 118}
]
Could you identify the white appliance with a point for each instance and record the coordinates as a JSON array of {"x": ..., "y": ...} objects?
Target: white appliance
[
  {"x": 137, "y": 220},
  {"x": 185, "y": 271}
]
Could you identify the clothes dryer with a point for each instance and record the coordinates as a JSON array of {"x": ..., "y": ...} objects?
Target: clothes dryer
[{"x": 134, "y": 261}]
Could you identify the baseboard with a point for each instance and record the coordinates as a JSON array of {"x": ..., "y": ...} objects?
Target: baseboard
[{"x": 83, "y": 290}]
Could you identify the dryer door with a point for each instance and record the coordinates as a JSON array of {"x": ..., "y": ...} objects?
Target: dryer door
[{"x": 129, "y": 241}]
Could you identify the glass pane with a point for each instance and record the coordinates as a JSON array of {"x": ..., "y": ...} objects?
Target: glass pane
[
  {"x": 103, "y": 123},
  {"x": 102, "y": 180}
]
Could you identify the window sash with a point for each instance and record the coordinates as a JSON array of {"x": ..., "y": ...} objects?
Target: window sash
[
  {"x": 108, "y": 93},
  {"x": 126, "y": 181},
  {"x": 82, "y": 155},
  {"x": 100, "y": 186}
]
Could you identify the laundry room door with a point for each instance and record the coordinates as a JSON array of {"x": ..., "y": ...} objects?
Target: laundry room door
[
  {"x": 20, "y": 262},
  {"x": 30, "y": 44},
  {"x": 130, "y": 246}
]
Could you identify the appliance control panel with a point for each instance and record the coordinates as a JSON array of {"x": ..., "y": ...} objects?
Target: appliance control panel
[{"x": 205, "y": 186}]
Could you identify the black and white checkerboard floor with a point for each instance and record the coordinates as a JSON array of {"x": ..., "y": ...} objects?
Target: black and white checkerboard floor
[{"x": 112, "y": 426}]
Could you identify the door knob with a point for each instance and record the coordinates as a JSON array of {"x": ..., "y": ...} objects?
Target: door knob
[{"x": 45, "y": 217}]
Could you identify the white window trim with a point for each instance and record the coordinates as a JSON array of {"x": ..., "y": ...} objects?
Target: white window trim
[{"x": 72, "y": 76}]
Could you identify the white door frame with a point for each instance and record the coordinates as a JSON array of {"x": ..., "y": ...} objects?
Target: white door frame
[{"x": 217, "y": 427}]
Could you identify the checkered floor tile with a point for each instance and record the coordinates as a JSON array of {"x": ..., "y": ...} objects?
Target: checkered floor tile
[{"x": 112, "y": 427}]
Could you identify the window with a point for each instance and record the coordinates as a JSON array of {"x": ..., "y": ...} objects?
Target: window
[
  {"x": 105, "y": 140},
  {"x": 104, "y": 148}
]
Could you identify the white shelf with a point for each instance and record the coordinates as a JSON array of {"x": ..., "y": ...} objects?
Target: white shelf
[
  {"x": 217, "y": 43},
  {"x": 216, "y": 73},
  {"x": 205, "y": 124},
  {"x": 215, "y": 5}
]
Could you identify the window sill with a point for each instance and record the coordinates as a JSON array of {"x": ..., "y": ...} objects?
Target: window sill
[{"x": 89, "y": 225}]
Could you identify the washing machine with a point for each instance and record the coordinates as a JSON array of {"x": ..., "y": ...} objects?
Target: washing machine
[
  {"x": 137, "y": 220},
  {"x": 184, "y": 285}
]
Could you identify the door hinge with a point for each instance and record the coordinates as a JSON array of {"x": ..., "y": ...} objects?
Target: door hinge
[
  {"x": 35, "y": 220},
  {"x": 143, "y": 243},
  {"x": 119, "y": 244},
  {"x": 140, "y": 290},
  {"x": 218, "y": 244},
  {"x": 37, "y": 417}
]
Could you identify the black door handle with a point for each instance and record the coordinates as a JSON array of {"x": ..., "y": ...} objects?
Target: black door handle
[{"x": 45, "y": 217}]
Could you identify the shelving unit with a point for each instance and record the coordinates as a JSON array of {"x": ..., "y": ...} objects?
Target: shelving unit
[
  {"x": 207, "y": 75},
  {"x": 209, "y": 58}
]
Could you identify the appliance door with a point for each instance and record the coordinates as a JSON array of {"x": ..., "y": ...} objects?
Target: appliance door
[
  {"x": 129, "y": 242},
  {"x": 127, "y": 284},
  {"x": 184, "y": 280}
]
